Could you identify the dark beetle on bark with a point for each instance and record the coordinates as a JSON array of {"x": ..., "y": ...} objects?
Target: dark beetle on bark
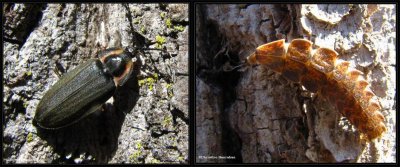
[{"x": 83, "y": 90}]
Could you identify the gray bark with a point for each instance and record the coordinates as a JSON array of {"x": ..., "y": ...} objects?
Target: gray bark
[
  {"x": 146, "y": 121},
  {"x": 257, "y": 116}
]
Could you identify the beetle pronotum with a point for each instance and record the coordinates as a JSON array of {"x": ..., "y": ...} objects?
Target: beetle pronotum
[
  {"x": 320, "y": 72},
  {"x": 84, "y": 89}
]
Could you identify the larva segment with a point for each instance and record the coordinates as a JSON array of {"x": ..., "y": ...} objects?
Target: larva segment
[
  {"x": 324, "y": 60},
  {"x": 359, "y": 92},
  {"x": 373, "y": 108},
  {"x": 321, "y": 63},
  {"x": 322, "y": 73},
  {"x": 352, "y": 78},
  {"x": 299, "y": 50},
  {"x": 340, "y": 70},
  {"x": 313, "y": 80},
  {"x": 298, "y": 54},
  {"x": 337, "y": 95}
]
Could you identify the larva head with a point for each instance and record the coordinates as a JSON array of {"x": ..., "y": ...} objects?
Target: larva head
[
  {"x": 252, "y": 59},
  {"x": 299, "y": 50},
  {"x": 264, "y": 52},
  {"x": 324, "y": 60}
]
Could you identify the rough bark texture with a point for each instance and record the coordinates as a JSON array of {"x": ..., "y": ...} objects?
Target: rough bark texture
[
  {"x": 257, "y": 116},
  {"x": 146, "y": 121}
]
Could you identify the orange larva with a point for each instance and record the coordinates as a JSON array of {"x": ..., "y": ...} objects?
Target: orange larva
[{"x": 320, "y": 72}]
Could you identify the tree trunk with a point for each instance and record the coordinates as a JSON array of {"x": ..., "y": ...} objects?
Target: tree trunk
[
  {"x": 146, "y": 121},
  {"x": 257, "y": 116}
]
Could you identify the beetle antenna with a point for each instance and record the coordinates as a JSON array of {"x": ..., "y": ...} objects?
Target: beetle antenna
[{"x": 136, "y": 49}]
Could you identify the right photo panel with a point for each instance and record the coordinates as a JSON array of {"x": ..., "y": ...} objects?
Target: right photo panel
[{"x": 295, "y": 83}]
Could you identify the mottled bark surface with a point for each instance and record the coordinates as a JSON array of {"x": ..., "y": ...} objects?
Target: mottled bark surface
[
  {"x": 257, "y": 116},
  {"x": 146, "y": 121}
]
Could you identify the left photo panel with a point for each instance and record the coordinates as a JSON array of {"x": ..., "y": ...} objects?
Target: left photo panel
[{"x": 95, "y": 83}]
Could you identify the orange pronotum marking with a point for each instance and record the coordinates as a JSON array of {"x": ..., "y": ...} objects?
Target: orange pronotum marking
[{"x": 128, "y": 67}]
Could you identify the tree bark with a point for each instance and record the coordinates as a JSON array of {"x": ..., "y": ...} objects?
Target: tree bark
[
  {"x": 257, "y": 116},
  {"x": 146, "y": 121}
]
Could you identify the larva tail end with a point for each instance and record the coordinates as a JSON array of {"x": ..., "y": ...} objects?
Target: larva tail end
[
  {"x": 376, "y": 132},
  {"x": 375, "y": 124}
]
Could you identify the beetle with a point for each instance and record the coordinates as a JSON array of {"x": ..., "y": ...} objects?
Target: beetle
[{"x": 84, "y": 89}]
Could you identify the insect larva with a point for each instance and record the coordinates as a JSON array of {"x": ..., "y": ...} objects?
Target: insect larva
[{"x": 320, "y": 72}]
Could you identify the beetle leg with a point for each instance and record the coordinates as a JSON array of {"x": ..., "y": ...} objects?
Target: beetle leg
[{"x": 59, "y": 70}]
